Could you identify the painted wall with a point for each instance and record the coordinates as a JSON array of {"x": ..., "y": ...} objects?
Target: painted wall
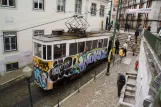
[
  {"x": 47, "y": 73},
  {"x": 24, "y": 16},
  {"x": 143, "y": 78}
]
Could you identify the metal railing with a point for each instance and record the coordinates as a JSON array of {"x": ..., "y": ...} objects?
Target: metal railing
[{"x": 154, "y": 41}]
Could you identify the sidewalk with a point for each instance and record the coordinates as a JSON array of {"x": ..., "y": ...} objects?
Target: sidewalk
[
  {"x": 103, "y": 91},
  {"x": 11, "y": 77}
]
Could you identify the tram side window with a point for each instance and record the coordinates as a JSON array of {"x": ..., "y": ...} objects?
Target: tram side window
[
  {"x": 49, "y": 52},
  {"x": 88, "y": 45},
  {"x": 38, "y": 49},
  {"x": 81, "y": 46},
  {"x": 100, "y": 43},
  {"x": 73, "y": 49},
  {"x": 94, "y": 45},
  {"x": 44, "y": 52},
  {"x": 59, "y": 50},
  {"x": 105, "y": 43}
]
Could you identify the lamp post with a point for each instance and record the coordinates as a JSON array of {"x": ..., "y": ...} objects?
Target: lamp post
[
  {"x": 112, "y": 51},
  {"x": 110, "y": 12},
  {"x": 27, "y": 72}
]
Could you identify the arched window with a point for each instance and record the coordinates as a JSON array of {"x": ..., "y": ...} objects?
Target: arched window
[{"x": 78, "y": 6}]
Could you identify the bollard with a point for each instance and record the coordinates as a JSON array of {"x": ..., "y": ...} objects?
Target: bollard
[
  {"x": 78, "y": 87},
  {"x": 58, "y": 100}
]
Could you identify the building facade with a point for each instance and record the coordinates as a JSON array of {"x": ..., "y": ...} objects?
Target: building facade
[
  {"x": 152, "y": 19},
  {"x": 20, "y": 20}
]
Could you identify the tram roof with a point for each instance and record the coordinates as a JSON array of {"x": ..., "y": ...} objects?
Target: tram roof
[{"x": 50, "y": 38}]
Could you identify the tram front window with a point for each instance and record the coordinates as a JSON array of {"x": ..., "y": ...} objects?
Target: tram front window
[
  {"x": 38, "y": 50},
  {"x": 105, "y": 42},
  {"x": 59, "y": 50}
]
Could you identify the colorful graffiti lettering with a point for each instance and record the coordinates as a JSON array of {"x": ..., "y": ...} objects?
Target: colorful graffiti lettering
[{"x": 65, "y": 67}]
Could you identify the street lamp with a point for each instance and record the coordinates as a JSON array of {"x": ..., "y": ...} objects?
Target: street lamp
[{"x": 27, "y": 72}]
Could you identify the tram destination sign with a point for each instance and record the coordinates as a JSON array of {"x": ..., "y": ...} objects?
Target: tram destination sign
[{"x": 143, "y": 10}]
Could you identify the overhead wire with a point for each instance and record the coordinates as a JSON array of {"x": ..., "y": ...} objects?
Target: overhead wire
[{"x": 52, "y": 21}]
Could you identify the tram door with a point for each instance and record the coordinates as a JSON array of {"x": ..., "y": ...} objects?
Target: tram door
[{"x": 44, "y": 52}]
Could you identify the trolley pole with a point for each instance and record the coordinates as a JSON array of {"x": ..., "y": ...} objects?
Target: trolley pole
[{"x": 116, "y": 20}]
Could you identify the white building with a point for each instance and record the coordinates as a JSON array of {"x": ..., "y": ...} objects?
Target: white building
[{"x": 24, "y": 15}]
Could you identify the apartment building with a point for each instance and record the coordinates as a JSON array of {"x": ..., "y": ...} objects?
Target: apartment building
[
  {"x": 20, "y": 20},
  {"x": 152, "y": 19}
]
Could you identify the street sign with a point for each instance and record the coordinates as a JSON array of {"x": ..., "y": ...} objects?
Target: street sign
[{"x": 143, "y": 10}]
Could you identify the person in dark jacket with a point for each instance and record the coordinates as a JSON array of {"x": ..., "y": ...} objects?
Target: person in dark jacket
[
  {"x": 117, "y": 44},
  {"x": 149, "y": 28},
  {"x": 118, "y": 26},
  {"x": 136, "y": 34},
  {"x": 125, "y": 27},
  {"x": 128, "y": 27},
  {"x": 110, "y": 45},
  {"x": 120, "y": 83}
]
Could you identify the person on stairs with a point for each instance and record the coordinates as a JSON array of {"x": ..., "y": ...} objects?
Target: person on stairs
[
  {"x": 125, "y": 48},
  {"x": 120, "y": 83},
  {"x": 136, "y": 34},
  {"x": 134, "y": 47}
]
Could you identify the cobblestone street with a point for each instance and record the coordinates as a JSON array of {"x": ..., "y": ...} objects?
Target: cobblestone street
[{"x": 103, "y": 91}]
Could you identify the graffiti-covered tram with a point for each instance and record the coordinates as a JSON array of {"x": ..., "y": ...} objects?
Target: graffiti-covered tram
[{"x": 56, "y": 57}]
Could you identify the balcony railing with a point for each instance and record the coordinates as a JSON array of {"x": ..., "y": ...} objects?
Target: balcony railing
[{"x": 155, "y": 43}]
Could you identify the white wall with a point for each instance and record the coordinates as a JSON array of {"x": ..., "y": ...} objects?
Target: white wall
[
  {"x": 143, "y": 78},
  {"x": 25, "y": 16}
]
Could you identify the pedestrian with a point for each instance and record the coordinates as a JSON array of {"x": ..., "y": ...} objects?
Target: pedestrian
[
  {"x": 117, "y": 44},
  {"x": 149, "y": 28},
  {"x": 134, "y": 47},
  {"x": 125, "y": 27},
  {"x": 109, "y": 46},
  {"x": 109, "y": 27},
  {"x": 121, "y": 54},
  {"x": 120, "y": 83},
  {"x": 140, "y": 29},
  {"x": 125, "y": 48},
  {"x": 159, "y": 33},
  {"x": 118, "y": 27},
  {"x": 136, "y": 34},
  {"x": 128, "y": 39},
  {"x": 128, "y": 27}
]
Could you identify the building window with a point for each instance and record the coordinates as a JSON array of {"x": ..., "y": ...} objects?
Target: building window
[
  {"x": 38, "y": 32},
  {"x": 8, "y": 3},
  {"x": 60, "y": 5},
  {"x": 39, "y": 4},
  {"x": 78, "y": 6},
  {"x": 93, "y": 9},
  {"x": 59, "y": 51},
  {"x": 12, "y": 66},
  {"x": 102, "y": 10},
  {"x": 10, "y": 41}
]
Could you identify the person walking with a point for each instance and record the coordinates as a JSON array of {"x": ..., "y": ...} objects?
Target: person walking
[
  {"x": 118, "y": 27},
  {"x": 149, "y": 28},
  {"x": 136, "y": 34},
  {"x": 134, "y": 47},
  {"x": 128, "y": 39},
  {"x": 120, "y": 83},
  {"x": 125, "y": 49},
  {"x": 128, "y": 27},
  {"x": 117, "y": 44},
  {"x": 121, "y": 54},
  {"x": 125, "y": 27},
  {"x": 140, "y": 29}
]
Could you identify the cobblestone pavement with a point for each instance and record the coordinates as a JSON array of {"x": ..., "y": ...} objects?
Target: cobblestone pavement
[{"x": 103, "y": 91}]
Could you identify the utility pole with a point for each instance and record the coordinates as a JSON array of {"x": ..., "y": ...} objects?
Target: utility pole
[
  {"x": 116, "y": 20},
  {"x": 110, "y": 12}
]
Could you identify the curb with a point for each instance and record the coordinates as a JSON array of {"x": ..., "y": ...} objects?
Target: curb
[{"x": 11, "y": 82}]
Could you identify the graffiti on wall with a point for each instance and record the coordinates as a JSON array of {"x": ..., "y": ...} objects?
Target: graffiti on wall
[{"x": 65, "y": 67}]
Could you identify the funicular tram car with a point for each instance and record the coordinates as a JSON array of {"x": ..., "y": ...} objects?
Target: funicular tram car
[{"x": 56, "y": 57}]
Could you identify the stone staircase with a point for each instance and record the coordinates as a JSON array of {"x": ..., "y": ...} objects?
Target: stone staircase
[
  {"x": 127, "y": 98},
  {"x": 123, "y": 38}
]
